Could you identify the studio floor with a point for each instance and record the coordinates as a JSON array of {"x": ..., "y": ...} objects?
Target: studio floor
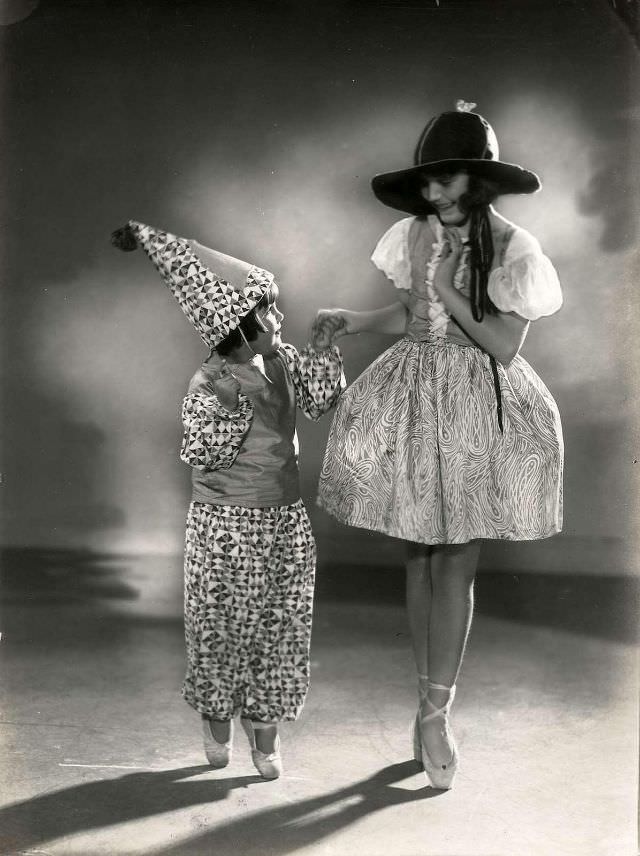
[{"x": 102, "y": 756}]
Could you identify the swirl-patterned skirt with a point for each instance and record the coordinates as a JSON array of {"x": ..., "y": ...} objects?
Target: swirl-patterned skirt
[{"x": 415, "y": 449}]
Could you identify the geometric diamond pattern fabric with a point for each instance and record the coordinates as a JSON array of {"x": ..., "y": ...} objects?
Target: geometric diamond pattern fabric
[
  {"x": 212, "y": 434},
  {"x": 249, "y": 579},
  {"x": 211, "y": 303},
  {"x": 317, "y": 376}
]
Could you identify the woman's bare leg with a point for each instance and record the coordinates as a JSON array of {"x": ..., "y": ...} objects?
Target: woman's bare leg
[
  {"x": 418, "y": 595},
  {"x": 453, "y": 569}
]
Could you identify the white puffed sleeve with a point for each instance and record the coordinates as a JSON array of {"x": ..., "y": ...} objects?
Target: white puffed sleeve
[
  {"x": 391, "y": 254},
  {"x": 527, "y": 282}
]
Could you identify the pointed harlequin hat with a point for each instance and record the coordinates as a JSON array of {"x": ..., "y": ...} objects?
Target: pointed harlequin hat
[
  {"x": 456, "y": 140},
  {"x": 215, "y": 291}
]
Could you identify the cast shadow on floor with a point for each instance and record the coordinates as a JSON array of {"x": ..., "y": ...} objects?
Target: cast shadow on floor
[{"x": 278, "y": 830}]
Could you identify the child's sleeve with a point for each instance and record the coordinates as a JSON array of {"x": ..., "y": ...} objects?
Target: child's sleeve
[
  {"x": 526, "y": 282},
  {"x": 212, "y": 434},
  {"x": 318, "y": 378}
]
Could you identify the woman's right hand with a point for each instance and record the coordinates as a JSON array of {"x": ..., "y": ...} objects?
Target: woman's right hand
[{"x": 331, "y": 324}]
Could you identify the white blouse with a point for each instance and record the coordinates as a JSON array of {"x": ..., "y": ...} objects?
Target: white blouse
[{"x": 525, "y": 283}]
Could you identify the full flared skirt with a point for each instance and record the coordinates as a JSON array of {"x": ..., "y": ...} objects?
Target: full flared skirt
[{"x": 416, "y": 450}]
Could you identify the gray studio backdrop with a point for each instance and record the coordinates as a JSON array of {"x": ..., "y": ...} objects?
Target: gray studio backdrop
[{"x": 256, "y": 128}]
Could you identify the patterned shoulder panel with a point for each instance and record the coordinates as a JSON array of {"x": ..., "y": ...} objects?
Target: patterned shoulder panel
[{"x": 212, "y": 434}]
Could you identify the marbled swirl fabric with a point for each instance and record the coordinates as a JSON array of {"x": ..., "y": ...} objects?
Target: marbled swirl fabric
[{"x": 415, "y": 449}]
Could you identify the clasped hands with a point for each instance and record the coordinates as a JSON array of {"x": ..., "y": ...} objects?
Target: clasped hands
[{"x": 329, "y": 324}]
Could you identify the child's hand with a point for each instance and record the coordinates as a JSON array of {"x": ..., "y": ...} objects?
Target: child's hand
[
  {"x": 449, "y": 260},
  {"x": 225, "y": 385},
  {"x": 329, "y": 324},
  {"x": 227, "y": 390}
]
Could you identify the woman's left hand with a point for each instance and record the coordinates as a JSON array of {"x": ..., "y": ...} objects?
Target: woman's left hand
[
  {"x": 328, "y": 325},
  {"x": 452, "y": 250}
]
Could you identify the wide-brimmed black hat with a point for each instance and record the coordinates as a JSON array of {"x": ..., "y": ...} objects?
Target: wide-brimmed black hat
[{"x": 453, "y": 141}]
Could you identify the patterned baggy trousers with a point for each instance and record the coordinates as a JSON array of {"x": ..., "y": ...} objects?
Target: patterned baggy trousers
[{"x": 248, "y": 601}]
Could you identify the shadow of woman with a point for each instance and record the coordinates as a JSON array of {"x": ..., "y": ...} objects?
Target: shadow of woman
[
  {"x": 286, "y": 829},
  {"x": 283, "y": 829}
]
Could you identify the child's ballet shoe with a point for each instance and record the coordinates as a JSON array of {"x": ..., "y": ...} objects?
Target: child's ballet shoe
[
  {"x": 218, "y": 754},
  {"x": 268, "y": 764}
]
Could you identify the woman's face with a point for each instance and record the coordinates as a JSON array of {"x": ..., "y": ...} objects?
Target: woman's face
[{"x": 444, "y": 192}]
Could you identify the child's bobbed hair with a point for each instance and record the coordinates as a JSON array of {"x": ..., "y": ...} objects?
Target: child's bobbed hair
[{"x": 248, "y": 328}]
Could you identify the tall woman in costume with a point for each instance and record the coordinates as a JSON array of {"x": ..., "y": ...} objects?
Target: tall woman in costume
[{"x": 449, "y": 437}]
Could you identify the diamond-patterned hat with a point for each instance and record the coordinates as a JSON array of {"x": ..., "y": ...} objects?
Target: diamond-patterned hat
[{"x": 215, "y": 291}]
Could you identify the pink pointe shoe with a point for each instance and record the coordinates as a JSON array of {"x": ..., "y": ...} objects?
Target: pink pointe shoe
[
  {"x": 218, "y": 754},
  {"x": 268, "y": 764},
  {"x": 440, "y": 776}
]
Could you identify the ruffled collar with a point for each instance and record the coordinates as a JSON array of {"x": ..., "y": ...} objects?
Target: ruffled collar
[{"x": 437, "y": 312}]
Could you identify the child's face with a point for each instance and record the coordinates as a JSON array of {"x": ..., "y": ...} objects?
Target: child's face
[{"x": 269, "y": 340}]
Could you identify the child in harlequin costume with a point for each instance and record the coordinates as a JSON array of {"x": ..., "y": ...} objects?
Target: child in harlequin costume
[
  {"x": 250, "y": 553},
  {"x": 449, "y": 437}
]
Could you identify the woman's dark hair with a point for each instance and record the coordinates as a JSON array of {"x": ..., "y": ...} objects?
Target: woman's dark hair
[
  {"x": 476, "y": 201},
  {"x": 250, "y": 326}
]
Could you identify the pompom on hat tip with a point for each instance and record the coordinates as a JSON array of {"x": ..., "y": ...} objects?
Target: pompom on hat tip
[{"x": 124, "y": 239}]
